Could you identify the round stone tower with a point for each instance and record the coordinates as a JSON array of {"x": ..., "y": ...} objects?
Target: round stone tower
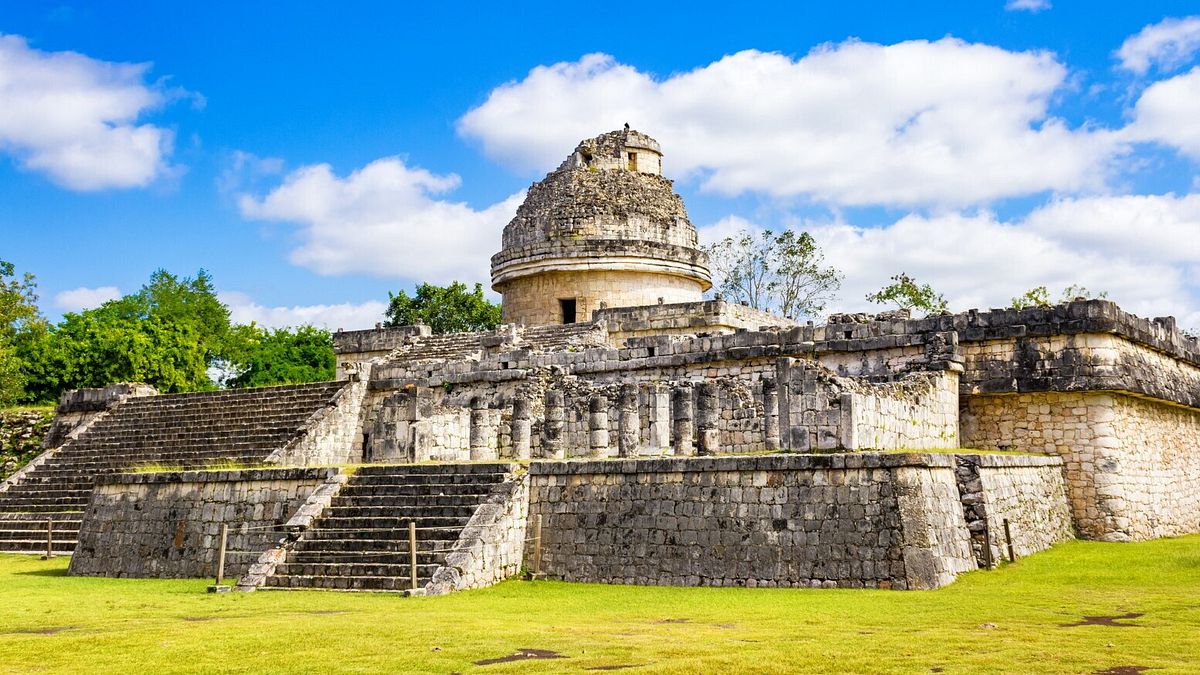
[{"x": 605, "y": 227}]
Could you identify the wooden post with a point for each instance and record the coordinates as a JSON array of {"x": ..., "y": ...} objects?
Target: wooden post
[
  {"x": 988, "y": 563},
  {"x": 412, "y": 553},
  {"x": 537, "y": 546},
  {"x": 49, "y": 539},
  {"x": 1012, "y": 557},
  {"x": 221, "y": 553},
  {"x": 219, "y": 587}
]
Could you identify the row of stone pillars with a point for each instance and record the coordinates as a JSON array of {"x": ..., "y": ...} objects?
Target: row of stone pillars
[{"x": 685, "y": 421}]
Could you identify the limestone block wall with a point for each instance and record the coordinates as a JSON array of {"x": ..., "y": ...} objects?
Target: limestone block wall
[
  {"x": 870, "y": 520},
  {"x": 1026, "y": 490},
  {"x": 1131, "y": 464},
  {"x": 708, "y": 316},
  {"x": 333, "y": 435},
  {"x": 918, "y": 412},
  {"x": 534, "y": 300},
  {"x": 491, "y": 547},
  {"x": 356, "y": 347},
  {"x": 167, "y": 525}
]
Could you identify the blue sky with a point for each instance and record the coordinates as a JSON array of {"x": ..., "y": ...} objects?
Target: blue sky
[{"x": 313, "y": 159}]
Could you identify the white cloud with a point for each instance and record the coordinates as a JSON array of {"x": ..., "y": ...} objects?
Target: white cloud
[
  {"x": 349, "y": 316},
  {"x": 245, "y": 169},
  {"x": 1027, "y": 5},
  {"x": 1168, "y": 112},
  {"x": 916, "y": 123},
  {"x": 75, "y": 119},
  {"x": 383, "y": 219},
  {"x": 1142, "y": 250},
  {"x": 79, "y": 299},
  {"x": 1167, "y": 44},
  {"x": 1165, "y": 228},
  {"x": 729, "y": 226}
]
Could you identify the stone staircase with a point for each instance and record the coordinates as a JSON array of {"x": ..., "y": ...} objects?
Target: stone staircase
[
  {"x": 360, "y": 542},
  {"x": 186, "y": 431}
]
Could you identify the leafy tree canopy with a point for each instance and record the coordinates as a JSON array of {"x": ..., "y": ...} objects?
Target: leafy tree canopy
[
  {"x": 445, "y": 309},
  {"x": 166, "y": 334},
  {"x": 782, "y": 272},
  {"x": 906, "y": 293},
  {"x": 172, "y": 333},
  {"x": 18, "y": 316},
  {"x": 282, "y": 356}
]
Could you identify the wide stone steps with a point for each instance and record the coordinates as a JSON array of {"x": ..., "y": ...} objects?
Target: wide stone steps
[
  {"x": 41, "y": 506},
  {"x": 427, "y": 479},
  {"x": 350, "y": 583},
  {"x": 338, "y": 546},
  {"x": 171, "y": 431},
  {"x": 429, "y": 489},
  {"x": 361, "y": 541},
  {"x": 26, "y": 532},
  {"x": 431, "y": 500},
  {"x": 359, "y": 569}
]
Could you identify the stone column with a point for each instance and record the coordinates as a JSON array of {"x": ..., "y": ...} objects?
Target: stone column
[
  {"x": 598, "y": 425},
  {"x": 708, "y": 410},
  {"x": 478, "y": 431},
  {"x": 783, "y": 367},
  {"x": 770, "y": 395},
  {"x": 521, "y": 426},
  {"x": 659, "y": 409},
  {"x": 552, "y": 427},
  {"x": 681, "y": 399},
  {"x": 629, "y": 424}
]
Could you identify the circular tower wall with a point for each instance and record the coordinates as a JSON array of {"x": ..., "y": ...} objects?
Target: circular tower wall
[{"x": 604, "y": 228}]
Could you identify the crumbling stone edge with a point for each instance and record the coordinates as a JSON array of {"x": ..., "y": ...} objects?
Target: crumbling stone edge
[
  {"x": 313, "y": 507},
  {"x": 491, "y": 546}
]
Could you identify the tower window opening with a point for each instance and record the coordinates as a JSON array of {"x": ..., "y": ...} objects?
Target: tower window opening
[
  {"x": 568, "y": 309},
  {"x": 633, "y": 161}
]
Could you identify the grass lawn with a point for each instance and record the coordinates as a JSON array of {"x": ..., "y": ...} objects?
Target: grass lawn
[{"x": 1011, "y": 620}]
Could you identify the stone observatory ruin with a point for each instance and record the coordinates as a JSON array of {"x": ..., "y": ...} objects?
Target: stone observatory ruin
[{"x": 619, "y": 427}]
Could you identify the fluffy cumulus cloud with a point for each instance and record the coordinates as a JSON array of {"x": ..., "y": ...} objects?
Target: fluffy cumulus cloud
[
  {"x": 75, "y": 118},
  {"x": 1168, "y": 112},
  {"x": 79, "y": 299},
  {"x": 384, "y": 219},
  {"x": 916, "y": 123},
  {"x": 1141, "y": 250},
  {"x": 1027, "y": 5},
  {"x": 1166, "y": 45},
  {"x": 349, "y": 316}
]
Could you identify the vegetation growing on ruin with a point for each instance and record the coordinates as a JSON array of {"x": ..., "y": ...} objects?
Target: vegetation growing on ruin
[
  {"x": 905, "y": 292},
  {"x": 1039, "y": 296},
  {"x": 21, "y": 434},
  {"x": 1027, "y": 617},
  {"x": 445, "y": 309}
]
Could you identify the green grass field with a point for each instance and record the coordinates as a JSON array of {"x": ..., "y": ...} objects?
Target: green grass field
[{"x": 1010, "y": 620}]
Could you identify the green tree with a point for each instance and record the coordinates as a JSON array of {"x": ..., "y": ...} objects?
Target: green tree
[
  {"x": 445, "y": 309},
  {"x": 18, "y": 316},
  {"x": 1039, "y": 296},
  {"x": 906, "y": 293},
  {"x": 281, "y": 356},
  {"x": 166, "y": 334},
  {"x": 782, "y": 272}
]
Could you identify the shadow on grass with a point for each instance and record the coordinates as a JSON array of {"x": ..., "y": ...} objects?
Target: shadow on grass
[{"x": 42, "y": 573}]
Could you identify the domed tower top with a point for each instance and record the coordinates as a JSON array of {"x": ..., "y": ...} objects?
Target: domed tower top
[{"x": 605, "y": 227}]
